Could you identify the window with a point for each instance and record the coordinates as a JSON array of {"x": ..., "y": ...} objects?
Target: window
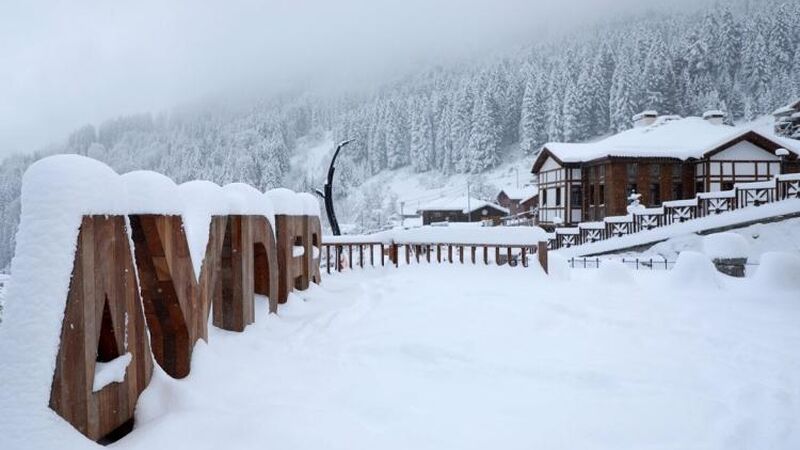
[
  {"x": 633, "y": 172},
  {"x": 558, "y": 196},
  {"x": 575, "y": 196},
  {"x": 592, "y": 199},
  {"x": 699, "y": 187},
  {"x": 677, "y": 190},
  {"x": 544, "y": 196},
  {"x": 602, "y": 199},
  {"x": 727, "y": 185},
  {"x": 655, "y": 194}
]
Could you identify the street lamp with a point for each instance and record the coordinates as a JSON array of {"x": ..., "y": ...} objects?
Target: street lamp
[{"x": 328, "y": 194}]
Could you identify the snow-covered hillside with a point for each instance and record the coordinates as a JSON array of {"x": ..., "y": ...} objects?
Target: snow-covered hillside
[{"x": 391, "y": 192}]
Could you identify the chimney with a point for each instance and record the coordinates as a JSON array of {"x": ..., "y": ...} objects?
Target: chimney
[
  {"x": 714, "y": 117},
  {"x": 644, "y": 119}
]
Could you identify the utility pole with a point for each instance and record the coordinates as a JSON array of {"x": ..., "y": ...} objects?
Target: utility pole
[
  {"x": 402, "y": 215},
  {"x": 469, "y": 209}
]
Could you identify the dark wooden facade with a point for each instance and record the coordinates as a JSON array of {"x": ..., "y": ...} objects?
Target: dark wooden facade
[
  {"x": 606, "y": 184},
  {"x": 487, "y": 212},
  {"x": 517, "y": 205}
]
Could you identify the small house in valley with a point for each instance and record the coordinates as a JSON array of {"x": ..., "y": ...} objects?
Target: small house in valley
[
  {"x": 662, "y": 158},
  {"x": 519, "y": 201},
  {"x": 787, "y": 120},
  {"x": 460, "y": 209}
]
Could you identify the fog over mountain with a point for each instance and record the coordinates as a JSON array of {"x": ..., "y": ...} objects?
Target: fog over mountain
[
  {"x": 231, "y": 92},
  {"x": 65, "y": 64}
]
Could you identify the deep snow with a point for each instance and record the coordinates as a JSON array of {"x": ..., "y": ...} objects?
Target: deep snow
[{"x": 464, "y": 357}]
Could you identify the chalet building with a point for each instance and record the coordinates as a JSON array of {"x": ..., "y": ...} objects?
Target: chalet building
[
  {"x": 461, "y": 209},
  {"x": 662, "y": 158},
  {"x": 787, "y": 120},
  {"x": 519, "y": 201}
]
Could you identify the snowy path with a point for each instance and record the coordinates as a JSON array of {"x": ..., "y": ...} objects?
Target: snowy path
[{"x": 462, "y": 357}]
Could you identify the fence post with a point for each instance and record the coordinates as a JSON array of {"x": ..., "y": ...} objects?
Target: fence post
[
  {"x": 328, "y": 258},
  {"x": 542, "y": 252}
]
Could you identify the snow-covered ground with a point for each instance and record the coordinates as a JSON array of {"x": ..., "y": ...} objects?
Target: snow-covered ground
[{"x": 475, "y": 357}]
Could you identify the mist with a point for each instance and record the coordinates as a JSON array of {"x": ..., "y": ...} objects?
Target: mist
[{"x": 63, "y": 65}]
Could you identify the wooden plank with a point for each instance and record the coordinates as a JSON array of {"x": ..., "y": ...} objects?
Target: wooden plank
[{"x": 102, "y": 308}]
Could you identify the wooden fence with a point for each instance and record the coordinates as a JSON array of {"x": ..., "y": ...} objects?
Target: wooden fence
[
  {"x": 338, "y": 256},
  {"x": 743, "y": 195}
]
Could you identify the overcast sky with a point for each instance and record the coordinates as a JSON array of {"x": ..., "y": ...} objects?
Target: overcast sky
[{"x": 67, "y": 63}]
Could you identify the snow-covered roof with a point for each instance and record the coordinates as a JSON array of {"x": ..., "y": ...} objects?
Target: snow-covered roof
[
  {"x": 787, "y": 109},
  {"x": 463, "y": 204},
  {"x": 667, "y": 137},
  {"x": 521, "y": 194},
  {"x": 713, "y": 113}
]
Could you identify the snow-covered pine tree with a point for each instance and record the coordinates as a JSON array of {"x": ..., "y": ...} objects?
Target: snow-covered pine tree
[
  {"x": 623, "y": 92},
  {"x": 658, "y": 78},
  {"x": 532, "y": 130},
  {"x": 483, "y": 147},
  {"x": 421, "y": 147},
  {"x": 396, "y": 137}
]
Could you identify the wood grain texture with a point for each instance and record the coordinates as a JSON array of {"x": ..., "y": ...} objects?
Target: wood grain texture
[
  {"x": 290, "y": 231},
  {"x": 265, "y": 261},
  {"x": 313, "y": 245},
  {"x": 176, "y": 304},
  {"x": 249, "y": 266},
  {"x": 103, "y": 285}
]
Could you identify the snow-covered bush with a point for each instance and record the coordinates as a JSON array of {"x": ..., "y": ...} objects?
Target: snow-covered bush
[
  {"x": 725, "y": 246},
  {"x": 613, "y": 271},
  {"x": 694, "y": 270},
  {"x": 779, "y": 270},
  {"x": 558, "y": 267}
]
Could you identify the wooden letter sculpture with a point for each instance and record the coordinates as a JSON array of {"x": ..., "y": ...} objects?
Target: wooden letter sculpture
[
  {"x": 106, "y": 322},
  {"x": 103, "y": 325}
]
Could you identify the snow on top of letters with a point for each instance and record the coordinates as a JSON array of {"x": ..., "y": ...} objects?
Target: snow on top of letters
[{"x": 287, "y": 202}]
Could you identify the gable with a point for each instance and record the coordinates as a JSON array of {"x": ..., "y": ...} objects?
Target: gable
[
  {"x": 745, "y": 151},
  {"x": 550, "y": 164},
  {"x": 766, "y": 145}
]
